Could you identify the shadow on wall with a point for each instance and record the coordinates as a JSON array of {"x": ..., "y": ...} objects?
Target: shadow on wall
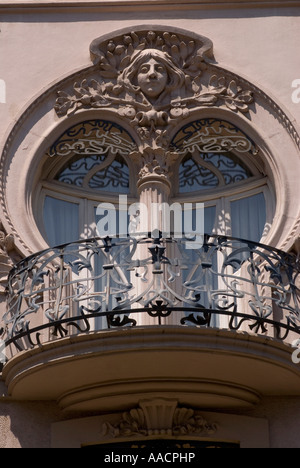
[{"x": 27, "y": 424}]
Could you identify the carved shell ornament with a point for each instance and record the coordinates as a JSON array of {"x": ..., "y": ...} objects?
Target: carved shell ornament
[
  {"x": 160, "y": 417},
  {"x": 153, "y": 79}
]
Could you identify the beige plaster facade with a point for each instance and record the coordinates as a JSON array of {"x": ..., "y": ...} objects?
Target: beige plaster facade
[{"x": 246, "y": 385}]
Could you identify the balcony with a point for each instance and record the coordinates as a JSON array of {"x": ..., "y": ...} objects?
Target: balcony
[{"x": 102, "y": 323}]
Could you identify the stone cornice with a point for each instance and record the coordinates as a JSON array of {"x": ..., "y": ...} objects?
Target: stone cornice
[{"x": 138, "y": 5}]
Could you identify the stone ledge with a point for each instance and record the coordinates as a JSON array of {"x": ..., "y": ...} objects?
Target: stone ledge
[{"x": 138, "y": 5}]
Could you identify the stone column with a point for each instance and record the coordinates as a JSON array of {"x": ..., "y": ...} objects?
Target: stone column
[{"x": 154, "y": 188}]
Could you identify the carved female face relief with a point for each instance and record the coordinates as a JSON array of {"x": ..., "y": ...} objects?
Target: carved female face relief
[
  {"x": 152, "y": 78},
  {"x": 153, "y": 73}
]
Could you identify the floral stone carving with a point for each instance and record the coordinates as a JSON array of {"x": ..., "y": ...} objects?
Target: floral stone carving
[
  {"x": 154, "y": 162},
  {"x": 153, "y": 78},
  {"x": 160, "y": 417}
]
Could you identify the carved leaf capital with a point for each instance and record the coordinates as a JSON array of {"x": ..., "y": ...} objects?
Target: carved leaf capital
[{"x": 154, "y": 161}]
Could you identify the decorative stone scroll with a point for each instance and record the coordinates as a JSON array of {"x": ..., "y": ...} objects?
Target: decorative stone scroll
[{"x": 160, "y": 417}]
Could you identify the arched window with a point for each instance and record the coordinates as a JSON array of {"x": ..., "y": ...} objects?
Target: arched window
[
  {"x": 220, "y": 167},
  {"x": 87, "y": 165}
]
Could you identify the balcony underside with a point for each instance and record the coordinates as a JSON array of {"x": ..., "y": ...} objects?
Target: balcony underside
[{"x": 112, "y": 370}]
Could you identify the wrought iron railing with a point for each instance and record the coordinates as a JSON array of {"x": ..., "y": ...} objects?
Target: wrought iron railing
[{"x": 99, "y": 284}]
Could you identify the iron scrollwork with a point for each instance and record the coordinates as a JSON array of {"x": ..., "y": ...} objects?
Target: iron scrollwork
[
  {"x": 98, "y": 284},
  {"x": 93, "y": 137}
]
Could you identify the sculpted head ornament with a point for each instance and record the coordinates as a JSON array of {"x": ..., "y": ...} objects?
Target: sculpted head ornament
[
  {"x": 154, "y": 78},
  {"x": 153, "y": 73}
]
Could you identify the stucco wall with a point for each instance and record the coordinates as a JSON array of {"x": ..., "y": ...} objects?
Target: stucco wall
[
  {"x": 26, "y": 425},
  {"x": 283, "y": 416}
]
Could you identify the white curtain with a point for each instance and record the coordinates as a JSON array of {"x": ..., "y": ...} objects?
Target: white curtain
[
  {"x": 193, "y": 273},
  {"x": 108, "y": 224},
  {"x": 209, "y": 219},
  {"x": 248, "y": 217},
  {"x": 61, "y": 219}
]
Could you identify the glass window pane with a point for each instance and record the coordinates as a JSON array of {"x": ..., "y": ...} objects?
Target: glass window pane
[
  {"x": 113, "y": 178},
  {"x": 209, "y": 219},
  {"x": 193, "y": 177},
  {"x": 61, "y": 220},
  {"x": 231, "y": 167},
  {"x": 225, "y": 169},
  {"x": 75, "y": 171},
  {"x": 248, "y": 217},
  {"x": 88, "y": 145}
]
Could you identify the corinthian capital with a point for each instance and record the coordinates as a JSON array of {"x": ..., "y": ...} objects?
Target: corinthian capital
[{"x": 155, "y": 163}]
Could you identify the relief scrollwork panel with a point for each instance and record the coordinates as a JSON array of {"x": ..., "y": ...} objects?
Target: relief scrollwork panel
[{"x": 154, "y": 79}]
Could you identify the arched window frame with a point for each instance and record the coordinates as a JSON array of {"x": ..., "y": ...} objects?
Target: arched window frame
[
  {"x": 223, "y": 195},
  {"x": 86, "y": 198}
]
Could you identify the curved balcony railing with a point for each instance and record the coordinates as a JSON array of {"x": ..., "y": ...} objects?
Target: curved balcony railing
[{"x": 99, "y": 284}]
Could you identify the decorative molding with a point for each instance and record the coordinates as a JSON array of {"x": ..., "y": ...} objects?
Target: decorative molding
[
  {"x": 154, "y": 162},
  {"x": 6, "y": 263},
  {"x": 153, "y": 78},
  {"x": 269, "y": 102},
  {"x": 137, "y": 5},
  {"x": 159, "y": 418}
]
